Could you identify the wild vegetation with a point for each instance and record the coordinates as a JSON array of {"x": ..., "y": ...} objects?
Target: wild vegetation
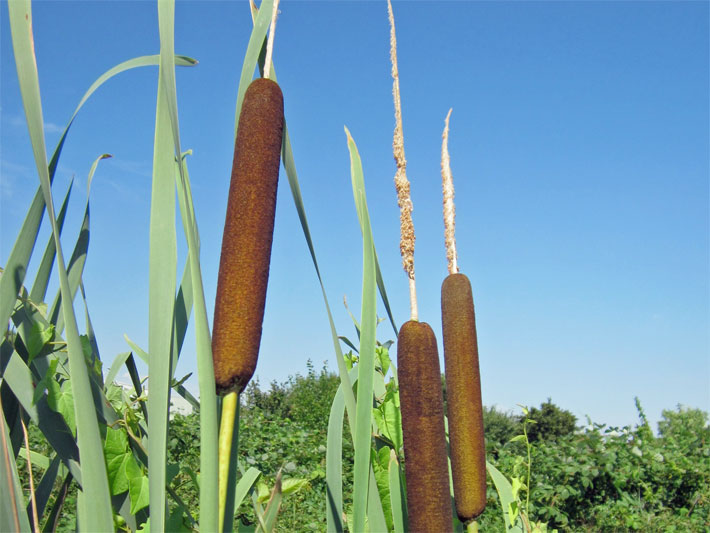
[
  {"x": 584, "y": 479},
  {"x": 319, "y": 452}
]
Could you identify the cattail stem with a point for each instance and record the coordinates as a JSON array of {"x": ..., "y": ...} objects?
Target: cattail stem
[
  {"x": 401, "y": 183},
  {"x": 270, "y": 42},
  {"x": 226, "y": 431},
  {"x": 447, "y": 183}
]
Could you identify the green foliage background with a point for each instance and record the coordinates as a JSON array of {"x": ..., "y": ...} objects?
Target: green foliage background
[{"x": 597, "y": 478}]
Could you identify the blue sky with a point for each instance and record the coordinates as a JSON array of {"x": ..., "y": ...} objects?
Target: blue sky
[{"x": 579, "y": 148}]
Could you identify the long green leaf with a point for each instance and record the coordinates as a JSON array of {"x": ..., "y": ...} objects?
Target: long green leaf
[
  {"x": 12, "y": 516},
  {"x": 366, "y": 363},
  {"x": 44, "y": 488},
  {"x": 19, "y": 378},
  {"x": 94, "y": 478},
  {"x": 246, "y": 483},
  {"x": 334, "y": 464},
  {"x": 208, "y": 399},
  {"x": 505, "y": 494},
  {"x": 397, "y": 500},
  {"x": 161, "y": 292},
  {"x": 18, "y": 260},
  {"x": 78, "y": 258},
  {"x": 39, "y": 287},
  {"x": 251, "y": 57}
]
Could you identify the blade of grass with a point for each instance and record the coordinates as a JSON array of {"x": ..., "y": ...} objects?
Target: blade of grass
[{"x": 94, "y": 478}]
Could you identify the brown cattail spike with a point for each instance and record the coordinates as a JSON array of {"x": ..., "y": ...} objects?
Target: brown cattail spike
[
  {"x": 463, "y": 393},
  {"x": 422, "y": 407},
  {"x": 248, "y": 233}
]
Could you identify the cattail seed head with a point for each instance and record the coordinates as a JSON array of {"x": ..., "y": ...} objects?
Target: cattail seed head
[
  {"x": 422, "y": 407},
  {"x": 463, "y": 393},
  {"x": 248, "y": 233}
]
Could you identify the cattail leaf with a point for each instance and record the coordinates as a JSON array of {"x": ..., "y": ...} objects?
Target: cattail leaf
[
  {"x": 396, "y": 493},
  {"x": 364, "y": 482},
  {"x": 94, "y": 479},
  {"x": 505, "y": 494},
  {"x": 334, "y": 464},
  {"x": 13, "y": 516},
  {"x": 118, "y": 362},
  {"x": 20, "y": 380},
  {"x": 246, "y": 484},
  {"x": 39, "y": 287},
  {"x": 75, "y": 268},
  {"x": 22, "y": 250},
  {"x": 161, "y": 296},
  {"x": 251, "y": 57}
]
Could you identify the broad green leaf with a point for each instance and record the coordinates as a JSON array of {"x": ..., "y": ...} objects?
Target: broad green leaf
[
  {"x": 49, "y": 383},
  {"x": 65, "y": 405},
  {"x": 389, "y": 419},
  {"x": 380, "y": 464},
  {"x": 117, "y": 454},
  {"x": 383, "y": 361},
  {"x": 175, "y": 523},
  {"x": 291, "y": 485},
  {"x": 137, "y": 486},
  {"x": 38, "y": 337}
]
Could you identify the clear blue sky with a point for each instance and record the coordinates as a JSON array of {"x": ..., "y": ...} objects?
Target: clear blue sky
[{"x": 579, "y": 145}]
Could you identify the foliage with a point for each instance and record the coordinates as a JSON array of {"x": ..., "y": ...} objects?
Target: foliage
[{"x": 551, "y": 422}]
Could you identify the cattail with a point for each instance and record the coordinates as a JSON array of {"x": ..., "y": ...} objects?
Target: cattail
[
  {"x": 463, "y": 379},
  {"x": 422, "y": 407},
  {"x": 421, "y": 401},
  {"x": 248, "y": 233},
  {"x": 463, "y": 393}
]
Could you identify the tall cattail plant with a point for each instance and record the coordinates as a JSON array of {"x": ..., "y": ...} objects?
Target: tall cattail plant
[
  {"x": 463, "y": 379},
  {"x": 421, "y": 400}
]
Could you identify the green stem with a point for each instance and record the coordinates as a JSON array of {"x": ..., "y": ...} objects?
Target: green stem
[
  {"x": 472, "y": 527},
  {"x": 226, "y": 430}
]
